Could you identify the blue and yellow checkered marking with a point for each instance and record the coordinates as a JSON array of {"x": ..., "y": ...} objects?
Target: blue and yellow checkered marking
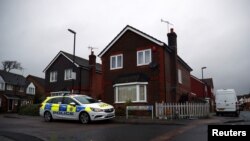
[
  {"x": 64, "y": 107},
  {"x": 48, "y": 106},
  {"x": 79, "y": 108}
]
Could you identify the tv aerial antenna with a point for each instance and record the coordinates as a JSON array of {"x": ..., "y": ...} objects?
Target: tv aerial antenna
[
  {"x": 92, "y": 48},
  {"x": 168, "y": 23}
]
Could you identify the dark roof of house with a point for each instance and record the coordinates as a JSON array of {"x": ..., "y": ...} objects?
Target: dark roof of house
[
  {"x": 209, "y": 81},
  {"x": 130, "y": 28},
  {"x": 39, "y": 80},
  {"x": 160, "y": 43},
  {"x": 197, "y": 79},
  {"x": 184, "y": 63},
  {"x": 12, "y": 78},
  {"x": 132, "y": 77},
  {"x": 243, "y": 96},
  {"x": 79, "y": 62}
]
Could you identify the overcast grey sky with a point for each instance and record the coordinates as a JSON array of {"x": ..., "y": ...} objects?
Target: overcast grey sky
[{"x": 211, "y": 33}]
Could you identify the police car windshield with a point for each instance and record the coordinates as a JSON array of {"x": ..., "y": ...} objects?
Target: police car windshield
[{"x": 85, "y": 99}]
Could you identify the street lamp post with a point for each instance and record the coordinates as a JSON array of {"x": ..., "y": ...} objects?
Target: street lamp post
[
  {"x": 205, "y": 94},
  {"x": 202, "y": 72},
  {"x": 73, "y": 32}
]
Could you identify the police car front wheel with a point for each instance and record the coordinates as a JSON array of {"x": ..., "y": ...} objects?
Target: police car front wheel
[
  {"x": 84, "y": 118},
  {"x": 47, "y": 116}
]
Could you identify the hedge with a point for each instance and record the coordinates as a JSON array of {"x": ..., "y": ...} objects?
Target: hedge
[{"x": 30, "y": 109}]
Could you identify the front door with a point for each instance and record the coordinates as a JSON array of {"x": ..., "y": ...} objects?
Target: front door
[{"x": 10, "y": 105}]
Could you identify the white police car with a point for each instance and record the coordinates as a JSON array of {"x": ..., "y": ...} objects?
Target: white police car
[{"x": 75, "y": 107}]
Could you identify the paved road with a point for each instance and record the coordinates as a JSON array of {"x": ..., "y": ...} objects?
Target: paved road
[
  {"x": 199, "y": 133},
  {"x": 35, "y": 129}
]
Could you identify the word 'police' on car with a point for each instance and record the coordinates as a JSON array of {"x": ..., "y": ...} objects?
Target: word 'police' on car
[{"x": 75, "y": 107}]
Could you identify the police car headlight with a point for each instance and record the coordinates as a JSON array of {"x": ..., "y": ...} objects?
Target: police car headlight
[{"x": 96, "y": 109}]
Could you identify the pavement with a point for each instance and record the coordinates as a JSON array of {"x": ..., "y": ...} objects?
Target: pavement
[
  {"x": 186, "y": 123},
  {"x": 3, "y": 138},
  {"x": 149, "y": 120},
  {"x": 8, "y": 136}
]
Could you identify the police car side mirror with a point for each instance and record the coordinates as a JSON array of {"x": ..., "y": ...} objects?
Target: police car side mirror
[{"x": 72, "y": 103}]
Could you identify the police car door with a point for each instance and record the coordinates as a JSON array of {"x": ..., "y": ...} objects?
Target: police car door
[
  {"x": 55, "y": 107},
  {"x": 68, "y": 108}
]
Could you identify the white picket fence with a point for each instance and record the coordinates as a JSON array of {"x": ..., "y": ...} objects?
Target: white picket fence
[{"x": 181, "y": 110}]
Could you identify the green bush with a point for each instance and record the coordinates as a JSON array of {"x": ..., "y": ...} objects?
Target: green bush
[
  {"x": 30, "y": 109},
  {"x": 120, "y": 111}
]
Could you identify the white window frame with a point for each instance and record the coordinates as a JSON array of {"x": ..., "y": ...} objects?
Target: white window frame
[
  {"x": 137, "y": 84},
  {"x": 53, "y": 76},
  {"x": 69, "y": 74},
  {"x": 180, "y": 76},
  {"x": 9, "y": 87},
  {"x": 144, "y": 57},
  {"x": 2, "y": 86},
  {"x": 116, "y": 62},
  {"x": 31, "y": 89}
]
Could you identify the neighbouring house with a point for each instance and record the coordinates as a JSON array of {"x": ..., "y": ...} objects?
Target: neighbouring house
[
  {"x": 81, "y": 77},
  {"x": 244, "y": 101},
  {"x": 202, "y": 90},
  {"x": 13, "y": 88},
  {"x": 140, "y": 69},
  {"x": 246, "y": 98},
  {"x": 37, "y": 87},
  {"x": 209, "y": 88}
]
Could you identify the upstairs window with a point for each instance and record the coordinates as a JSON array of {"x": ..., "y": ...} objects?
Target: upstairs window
[
  {"x": 9, "y": 87},
  {"x": 31, "y": 90},
  {"x": 21, "y": 89},
  {"x": 2, "y": 86},
  {"x": 53, "y": 76},
  {"x": 116, "y": 62},
  {"x": 69, "y": 74},
  {"x": 179, "y": 76},
  {"x": 144, "y": 57}
]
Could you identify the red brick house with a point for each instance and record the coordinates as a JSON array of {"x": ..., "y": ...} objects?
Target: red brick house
[
  {"x": 39, "y": 85},
  {"x": 83, "y": 76},
  {"x": 139, "y": 68},
  {"x": 209, "y": 87},
  {"x": 197, "y": 87},
  {"x": 202, "y": 88}
]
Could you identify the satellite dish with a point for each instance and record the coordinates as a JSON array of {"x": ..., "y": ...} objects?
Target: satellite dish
[{"x": 153, "y": 65}]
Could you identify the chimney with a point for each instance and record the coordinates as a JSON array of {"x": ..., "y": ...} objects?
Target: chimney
[
  {"x": 172, "y": 38},
  {"x": 92, "y": 74},
  {"x": 92, "y": 59},
  {"x": 172, "y": 43}
]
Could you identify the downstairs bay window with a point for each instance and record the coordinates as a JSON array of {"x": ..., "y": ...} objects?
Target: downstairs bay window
[{"x": 134, "y": 92}]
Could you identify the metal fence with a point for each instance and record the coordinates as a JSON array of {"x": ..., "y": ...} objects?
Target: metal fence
[{"x": 181, "y": 110}]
